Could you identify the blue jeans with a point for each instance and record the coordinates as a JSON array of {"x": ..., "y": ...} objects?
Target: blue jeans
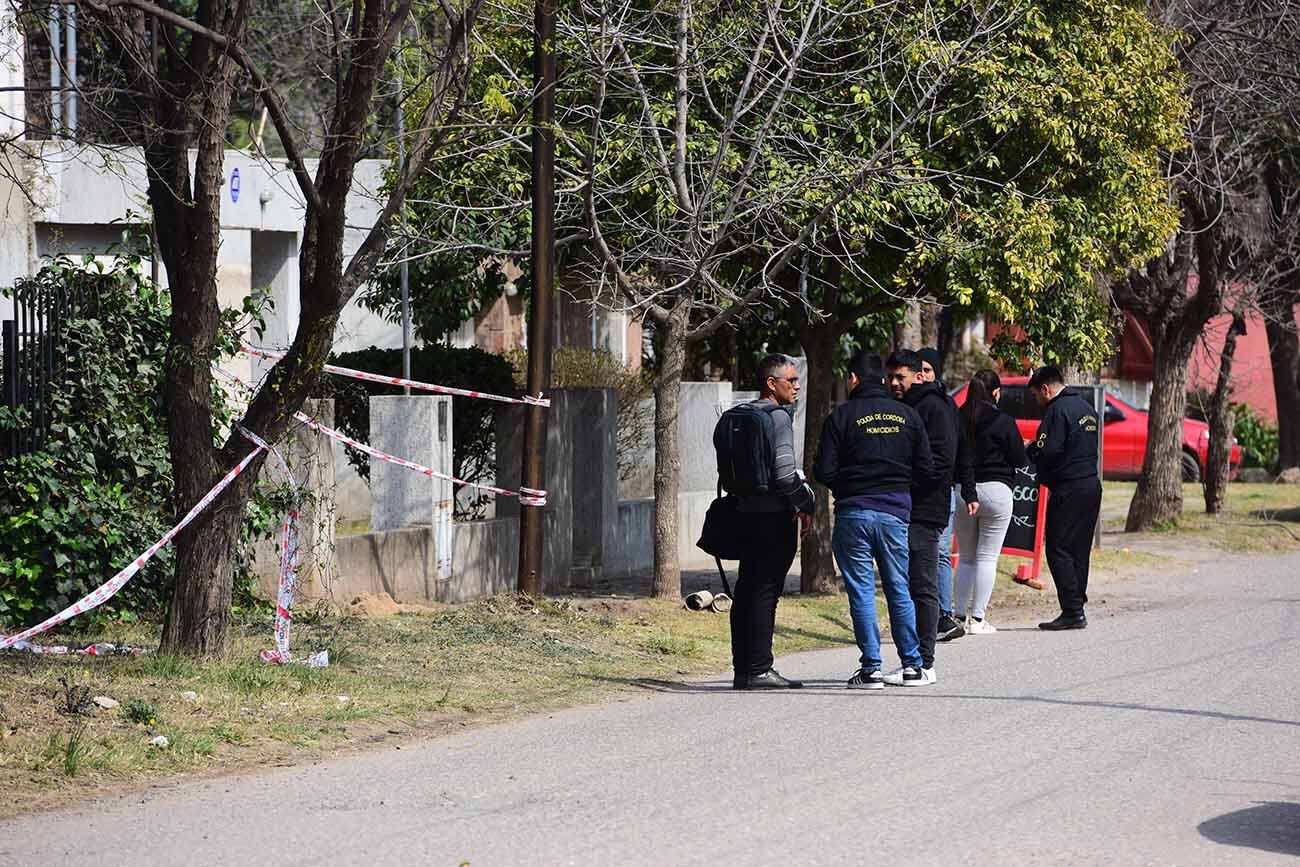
[
  {"x": 945, "y": 560},
  {"x": 862, "y": 539}
]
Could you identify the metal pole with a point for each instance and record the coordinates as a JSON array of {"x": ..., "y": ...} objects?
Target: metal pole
[
  {"x": 56, "y": 71},
  {"x": 531, "y": 579},
  {"x": 9, "y": 332},
  {"x": 72, "y": 71},
  {"x": 1099, "y": 402},
  {"x": 403, "y": 268}
]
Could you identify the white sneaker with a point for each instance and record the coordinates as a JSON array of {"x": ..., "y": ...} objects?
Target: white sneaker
[
  {"x": 911, "y": 676},
  {"x": 980, "y": 627}
]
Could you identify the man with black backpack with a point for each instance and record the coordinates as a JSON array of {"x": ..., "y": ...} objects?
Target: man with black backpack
[{"x": 756, "y": 464}]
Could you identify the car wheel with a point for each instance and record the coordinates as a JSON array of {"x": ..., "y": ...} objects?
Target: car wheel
[{"x": 1191, "y": 468}]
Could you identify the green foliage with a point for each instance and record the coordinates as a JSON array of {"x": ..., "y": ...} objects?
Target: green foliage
[
  {"x": 473, "y": 432},
  {"x": 97, "y": 493},
  {"x": 579, "y": 367},
  {"x": 141, "y": 712},
  {"x": 73, "y": 699},
  {"x": 1258, "y": 438},
  {"x": 99, "y": 489}
]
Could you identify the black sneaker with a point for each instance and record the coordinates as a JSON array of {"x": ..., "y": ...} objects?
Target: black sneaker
[
  {"x": 1065, "y": 621},
  {"x": 867, "y": 680},
  {"x": 770, "y": 679},
  {"x": 950, "y": 628}
]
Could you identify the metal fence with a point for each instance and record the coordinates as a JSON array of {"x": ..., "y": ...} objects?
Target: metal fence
[{"x": 34, "y": 360}]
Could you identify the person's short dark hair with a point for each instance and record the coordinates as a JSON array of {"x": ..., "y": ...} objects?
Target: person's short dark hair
[
  {"x": 773, "y": 365},
  {"x": 904, "y": 358},
  {"x": 931, "y": 355},
  {"x": 1049, "y": 375},
  {"x": 867, "y": 367}
]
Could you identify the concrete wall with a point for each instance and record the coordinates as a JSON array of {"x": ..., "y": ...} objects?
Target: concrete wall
[
  {"x": 84, "y": 195},
  {"x": 632, "y": 549}
]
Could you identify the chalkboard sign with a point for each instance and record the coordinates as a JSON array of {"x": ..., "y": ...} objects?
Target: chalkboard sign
[{"x": 1024, "y": 512}]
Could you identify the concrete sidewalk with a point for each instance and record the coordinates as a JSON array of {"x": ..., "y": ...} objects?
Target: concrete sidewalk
[{"x": 1168, "y": 734}]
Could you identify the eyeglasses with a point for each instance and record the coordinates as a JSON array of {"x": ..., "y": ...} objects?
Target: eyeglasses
[{"x": 793, "y": 380}]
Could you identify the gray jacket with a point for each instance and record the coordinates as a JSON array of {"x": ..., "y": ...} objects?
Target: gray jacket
[{"x": 790, "y": 493}]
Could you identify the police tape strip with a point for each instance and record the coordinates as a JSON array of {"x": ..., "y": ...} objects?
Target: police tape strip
[
  {"x": 287, "y": 586},
  {"x": 527, "y": 496},
  {"x": 528, "y": 399},
  {"x": 107, "y": 590}
]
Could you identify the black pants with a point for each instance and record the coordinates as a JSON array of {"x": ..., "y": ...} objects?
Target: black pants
[
  {"x": 923, "y": 584},
  {"x": 1071, "y": 522},
  {"x": 762, "y": 579}
]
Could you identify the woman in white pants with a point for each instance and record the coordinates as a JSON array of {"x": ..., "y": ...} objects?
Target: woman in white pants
[{"x": 995, "y": 450}]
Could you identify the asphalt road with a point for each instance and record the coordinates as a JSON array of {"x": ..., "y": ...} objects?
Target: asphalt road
[{"x": 1166, "y": 733}]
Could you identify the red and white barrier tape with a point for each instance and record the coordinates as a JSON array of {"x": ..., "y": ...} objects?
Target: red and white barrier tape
[
  {"x": 106, "y": 591},
  {"x": 410, "y": 383},
  {"x": 287, "y": 586},
  {"x": 527, "y": 496}
]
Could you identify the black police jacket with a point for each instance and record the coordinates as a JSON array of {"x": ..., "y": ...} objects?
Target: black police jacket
[
  {"x": 872, "y": 444},
  {"x": 1065, "y": 449},
  {"x": 932, "y": 496}
]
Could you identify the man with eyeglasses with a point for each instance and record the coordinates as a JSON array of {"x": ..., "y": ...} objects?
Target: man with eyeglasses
[{"x": 775, "y": 520}]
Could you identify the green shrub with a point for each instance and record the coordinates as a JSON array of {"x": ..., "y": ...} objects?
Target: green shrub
[
  {"x": 1258, "y": 438},
  {"x": 472, "y": 428},
  {"x": 137, "y": 710},
  {"x": 97, "y": 492},
  {"x": 578, "y": 367}
]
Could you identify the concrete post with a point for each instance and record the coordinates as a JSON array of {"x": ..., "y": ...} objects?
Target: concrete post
[
  {"x": 417, "y": 428},
  {"x": 557, "y": 556},
  {"x": 310, "y": 457},
  {"x": 594, "y": 431}
]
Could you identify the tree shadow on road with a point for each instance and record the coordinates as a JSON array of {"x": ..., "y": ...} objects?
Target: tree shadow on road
[
  {"x": 1270, "y": 826},
  {"x": 716, "y": 687},
  {"x": 1113, "y": 705}
]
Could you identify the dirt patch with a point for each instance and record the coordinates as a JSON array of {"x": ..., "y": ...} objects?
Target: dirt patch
[{"x": 383, "y": 605}]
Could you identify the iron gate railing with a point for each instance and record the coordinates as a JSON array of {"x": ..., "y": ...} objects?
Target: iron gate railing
[{"x": 34, "y": 363}]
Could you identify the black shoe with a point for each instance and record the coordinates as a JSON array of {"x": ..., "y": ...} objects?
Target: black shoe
[
  {"x": 770, "y": 679},
  {"x": 867, "y": 680},
  {"x": 950, "y": 628},
  {"x": 1065, "y": 621}
]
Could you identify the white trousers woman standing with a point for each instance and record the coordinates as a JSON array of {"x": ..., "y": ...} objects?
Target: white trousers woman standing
[{"x": 979, "y": 542}]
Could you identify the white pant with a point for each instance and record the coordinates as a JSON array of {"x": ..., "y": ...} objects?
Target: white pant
[{"x": 979, "y": 541}]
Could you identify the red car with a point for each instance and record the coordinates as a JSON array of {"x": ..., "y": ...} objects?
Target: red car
[{"x": 1125, "y": 444}]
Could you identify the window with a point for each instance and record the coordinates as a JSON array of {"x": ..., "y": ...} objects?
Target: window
[{"x": 1017, "y": 402}]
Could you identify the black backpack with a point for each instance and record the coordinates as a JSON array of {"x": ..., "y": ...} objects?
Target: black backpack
[{"x": 743, "y": 441}]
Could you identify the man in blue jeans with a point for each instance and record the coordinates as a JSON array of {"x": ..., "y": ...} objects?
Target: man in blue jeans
[
  {"x": 949, "y": 628},
  {"x": 872, "y": 448}
]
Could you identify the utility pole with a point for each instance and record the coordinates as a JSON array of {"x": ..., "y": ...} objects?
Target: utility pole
[
  {"x": 531, "y": 579},
  {"x": 404, "y": 267}
]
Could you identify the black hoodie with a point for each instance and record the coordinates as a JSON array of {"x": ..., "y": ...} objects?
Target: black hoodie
[
  {"x": 872, "y": 444},
  {"x": 996, "y": 453},
  {"x": 932, "y": 496}
]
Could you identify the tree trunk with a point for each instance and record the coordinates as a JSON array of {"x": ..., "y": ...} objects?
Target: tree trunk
[
  {"x": 198, "y": 615},
  {"x": 668, "y": 456},
  {"x": 817, "y": 563},
  {"x": 1284, "y": 357},
  {"x": 1220, "y": 418},
  {"x": 1159, "y": 496}
]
